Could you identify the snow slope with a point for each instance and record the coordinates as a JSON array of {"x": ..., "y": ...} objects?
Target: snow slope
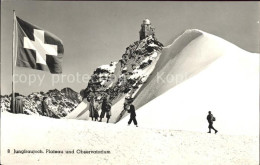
[
  {"x": 79, "y": 111},
  {"x": 188, "y": 55},
  {"x": 216, "y": 76},
  {"x": 127, "y": 145}
]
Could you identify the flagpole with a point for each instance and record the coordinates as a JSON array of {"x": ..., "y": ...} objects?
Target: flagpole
[{"x": 13, "y": 57}]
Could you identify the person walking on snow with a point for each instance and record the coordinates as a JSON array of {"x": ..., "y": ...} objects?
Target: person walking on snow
[
  {"x": 106, "y": 109},
  {"x": 131, "y": 110},
  {"x": 91, "y": 109},
  {"x": 96, "y": 107},
  {"x": 211, "y": 119}
]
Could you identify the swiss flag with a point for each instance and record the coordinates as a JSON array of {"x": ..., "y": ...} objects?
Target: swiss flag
[{"x": 38, "y": 48}]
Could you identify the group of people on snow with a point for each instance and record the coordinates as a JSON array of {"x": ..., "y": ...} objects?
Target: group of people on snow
[{"x": 106, "y": 110}]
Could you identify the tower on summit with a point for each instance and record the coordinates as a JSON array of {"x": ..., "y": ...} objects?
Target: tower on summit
[{"x": 146, "y": 29}]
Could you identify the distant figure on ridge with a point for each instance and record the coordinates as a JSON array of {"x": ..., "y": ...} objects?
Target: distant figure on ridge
[
  {"x": 131, "y": 110},
  {"x": 211, "y": 119},
  {"x": 106, "y": 109}
]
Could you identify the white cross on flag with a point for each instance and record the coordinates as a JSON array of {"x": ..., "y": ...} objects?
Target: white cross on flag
[{"x": 37, "y": 48}]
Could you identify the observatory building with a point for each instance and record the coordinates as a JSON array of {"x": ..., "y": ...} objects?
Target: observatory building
[{"x": 146, "y": 29}]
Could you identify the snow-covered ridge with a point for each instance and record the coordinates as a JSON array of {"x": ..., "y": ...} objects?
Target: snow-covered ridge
[
  {"x": 189, "y": 54},
  {"x": 191, "y": 32}
]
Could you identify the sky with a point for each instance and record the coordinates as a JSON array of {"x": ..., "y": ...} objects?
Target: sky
[{"x": 96, "y": 33}]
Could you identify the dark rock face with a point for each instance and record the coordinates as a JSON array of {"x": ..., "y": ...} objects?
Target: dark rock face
[{"x": 59, "y": 105}]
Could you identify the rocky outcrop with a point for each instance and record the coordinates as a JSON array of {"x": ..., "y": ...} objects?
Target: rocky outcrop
[
  {"x": 125, "y": 77},
  {"x": 5, "y": 103},
  {"x": 71, "y": 94}
]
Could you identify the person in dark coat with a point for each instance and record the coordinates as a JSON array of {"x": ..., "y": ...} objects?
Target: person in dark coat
[
  {"x": 91, "y": 108},
  {"x": 131, "y": 110},
  {"x": 106, "y": 109},
  {"x": 91, "y": 100},
  {"x": 211, "y": 119},
  {"x": 95, "y": 108}
]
